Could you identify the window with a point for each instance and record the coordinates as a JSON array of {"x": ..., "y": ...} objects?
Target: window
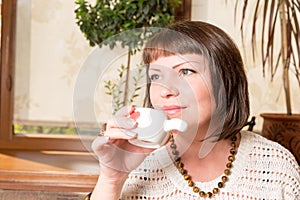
[{"x": 13, "y": 122}]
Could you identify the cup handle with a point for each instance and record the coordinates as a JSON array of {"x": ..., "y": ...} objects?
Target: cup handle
[{"x": 175, "y": 124}]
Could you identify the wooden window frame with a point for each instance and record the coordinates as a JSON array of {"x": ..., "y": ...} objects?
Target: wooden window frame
[{"x": 9, "y": 140}]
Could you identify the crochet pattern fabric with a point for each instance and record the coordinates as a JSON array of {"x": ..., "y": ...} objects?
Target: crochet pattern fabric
[{"x": 262, "y": 170}]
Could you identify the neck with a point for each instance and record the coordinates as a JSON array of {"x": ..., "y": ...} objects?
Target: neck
[{"x": 205, "y": 160}]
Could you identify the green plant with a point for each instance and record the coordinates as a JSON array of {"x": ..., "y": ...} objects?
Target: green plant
[
  {"x": 278, "y": 16},
  {"x": 33, "y": 129},
  {"x": 103, "y": 22},
  {"x": 108, "y": 18},
  {"x": 113, "y": 87}
]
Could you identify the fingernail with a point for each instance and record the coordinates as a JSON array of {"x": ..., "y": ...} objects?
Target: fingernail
[{"x": 135, "y": 115}]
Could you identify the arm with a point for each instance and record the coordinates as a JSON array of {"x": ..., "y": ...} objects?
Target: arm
[
  {"x": 107, "y": 189},
  {"x": 117, "y": 157}
]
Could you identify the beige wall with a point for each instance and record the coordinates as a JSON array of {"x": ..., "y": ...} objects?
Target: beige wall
[{"x": 51, "y": 51}]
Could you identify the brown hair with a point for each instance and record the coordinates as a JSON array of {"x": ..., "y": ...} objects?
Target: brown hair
[{"x": 225, "y": 62}]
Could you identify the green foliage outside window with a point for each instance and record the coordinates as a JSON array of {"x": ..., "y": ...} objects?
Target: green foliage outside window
[{"x": 31, "y": 129}]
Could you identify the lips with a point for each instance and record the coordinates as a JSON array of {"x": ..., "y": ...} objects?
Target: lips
[{"x": 172, "y": 109}]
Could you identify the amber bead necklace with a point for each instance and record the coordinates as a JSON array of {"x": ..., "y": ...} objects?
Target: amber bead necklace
[{"x": 188, "y": 178}]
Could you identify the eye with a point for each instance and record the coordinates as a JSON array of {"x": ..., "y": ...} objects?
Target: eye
[
  {"x": 154, "y": 77},
  {"x": 185, "y": 72}
]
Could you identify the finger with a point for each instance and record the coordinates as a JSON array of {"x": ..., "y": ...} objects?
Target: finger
[
  {"x": 99, "y": 142},
  {"x": 121, "y": 122},
  {"x": 125, "y": 111},
  {"x": 116, "y": 133},
  {"x": 135, "y": 115},
  {"x": 116, "y": 156}
]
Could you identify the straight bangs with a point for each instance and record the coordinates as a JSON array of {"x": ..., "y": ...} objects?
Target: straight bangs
[{"x": 167, "y": 43}]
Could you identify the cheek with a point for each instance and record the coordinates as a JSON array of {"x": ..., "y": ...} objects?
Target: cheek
[
  {"x": 153, "y": 92},
  {"x": 203, "y": 95}
]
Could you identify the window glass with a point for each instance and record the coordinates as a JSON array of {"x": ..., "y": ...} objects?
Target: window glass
[{"x": 49, "y": 52}]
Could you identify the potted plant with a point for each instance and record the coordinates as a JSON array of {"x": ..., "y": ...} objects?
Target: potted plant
[
  {"x": 106, "y": 19},
  {"x": 278, "y": 16}
]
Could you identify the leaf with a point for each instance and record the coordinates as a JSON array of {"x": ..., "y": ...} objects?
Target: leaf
[{"x": 278, "y": 16}]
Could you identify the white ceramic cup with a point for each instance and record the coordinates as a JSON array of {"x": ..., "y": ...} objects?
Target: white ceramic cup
[{"x": 153, "y": 126}]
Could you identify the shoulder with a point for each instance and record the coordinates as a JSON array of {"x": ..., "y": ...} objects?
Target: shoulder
[
  {"x": 268, "y": 162},
  {"x": 263, "y": 147},
  {"x": 269, "y": 154},
  {"x": 259, "y": 142}
]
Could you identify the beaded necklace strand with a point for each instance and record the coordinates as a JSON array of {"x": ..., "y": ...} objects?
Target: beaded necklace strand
[{"x": 188, "y": 178}]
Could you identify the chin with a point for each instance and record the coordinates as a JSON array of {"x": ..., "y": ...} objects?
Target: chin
[{"x": 174, "y": 115}]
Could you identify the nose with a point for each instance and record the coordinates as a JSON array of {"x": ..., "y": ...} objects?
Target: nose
[{"x": 169, "y": 91}]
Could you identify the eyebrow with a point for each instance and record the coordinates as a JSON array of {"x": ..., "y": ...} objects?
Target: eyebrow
[
  {"x": 178, "y": 65},
  {"x": 173, "y": 67}
]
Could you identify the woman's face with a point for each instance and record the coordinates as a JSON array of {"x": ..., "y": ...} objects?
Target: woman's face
[{"x": 181, "y": 87}]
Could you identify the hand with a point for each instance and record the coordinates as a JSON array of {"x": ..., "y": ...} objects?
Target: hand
[{"x": 116, "y": 155}]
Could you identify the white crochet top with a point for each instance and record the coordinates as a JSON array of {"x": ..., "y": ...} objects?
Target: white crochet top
[{"x": 262, "y": 170}]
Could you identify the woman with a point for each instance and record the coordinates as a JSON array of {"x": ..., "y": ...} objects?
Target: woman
[{"x": 195, "y": 73}]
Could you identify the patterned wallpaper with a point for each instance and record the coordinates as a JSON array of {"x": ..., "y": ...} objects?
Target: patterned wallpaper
[{"x": 50, "y": 52}]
